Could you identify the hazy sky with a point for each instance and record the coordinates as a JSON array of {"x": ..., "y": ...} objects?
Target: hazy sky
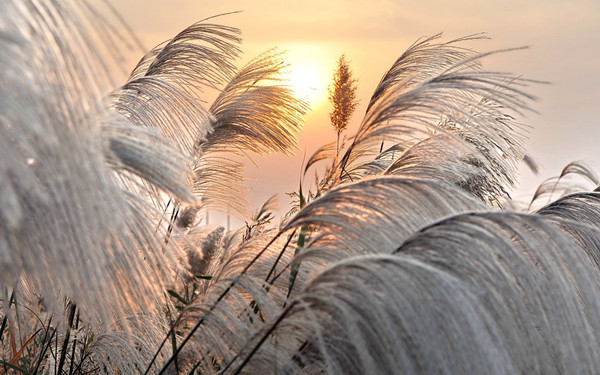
[{"x": 564, "y": 40}]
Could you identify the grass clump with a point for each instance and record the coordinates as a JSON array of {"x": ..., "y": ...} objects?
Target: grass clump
[{"x": 404, "y": 260}]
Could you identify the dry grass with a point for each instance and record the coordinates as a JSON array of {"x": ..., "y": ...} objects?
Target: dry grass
[{"x": 402, "y": 261}]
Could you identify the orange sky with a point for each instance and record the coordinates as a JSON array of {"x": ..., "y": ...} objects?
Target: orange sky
[{"x": 565, "y": 49}]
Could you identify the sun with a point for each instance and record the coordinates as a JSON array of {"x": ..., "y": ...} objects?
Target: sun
[{"x": 307, "y": 83}]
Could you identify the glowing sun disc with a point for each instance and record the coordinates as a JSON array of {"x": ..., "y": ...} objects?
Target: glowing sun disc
[{"x": 305, "y": 83}]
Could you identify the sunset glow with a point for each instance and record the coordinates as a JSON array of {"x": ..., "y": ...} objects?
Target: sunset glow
[
  {"x": 342, "y": 187},
  {"x": 373, "y": 37},
  {"x": 305, "y": 83},
  {"x": 309, "y": 82}
]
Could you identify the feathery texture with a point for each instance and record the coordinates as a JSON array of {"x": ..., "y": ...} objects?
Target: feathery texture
[
  {"x": 450, "y": 105},
  {"x": 578, "y": 214},
  {"x": 404, "y": 272},
  {"x": 401, "y": 204},
  {"x": 164, "y": 90},
  {"x": 564, "y": 183},
  {"x": 324, "y": 152},
  {"x": 63, "y": 210},
  {"x": 233, "y": 305},
  {"x": 255, "y": 111},
  {"x": 492, "y": 293},
  {"x": 435, "y": 101},
  {"x": 368, "y": 315},
  {"x": 124, "y": 352}
]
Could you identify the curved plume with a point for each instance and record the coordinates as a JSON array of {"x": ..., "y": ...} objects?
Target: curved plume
[
  {"x": 379, "y": 165},
  {"x": 435, "y": 97},
  {"x": 256, "y": 111},
  {"x": 164, "y": 89},
  {"x": 579, "y": 215},
  {"x": 379, "y": 213},
  {"x": 141, "y": 152},
  {"x": 531, "y": 276},
  {"x": 484, "y": 293},
  {"x": 324, "y": 152},
  {"x": 562, "y": 185},
  {"x": 367, "y": 315},
  {"x": 64, "y": 209},
  {"x": 422, "y": 61}
]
